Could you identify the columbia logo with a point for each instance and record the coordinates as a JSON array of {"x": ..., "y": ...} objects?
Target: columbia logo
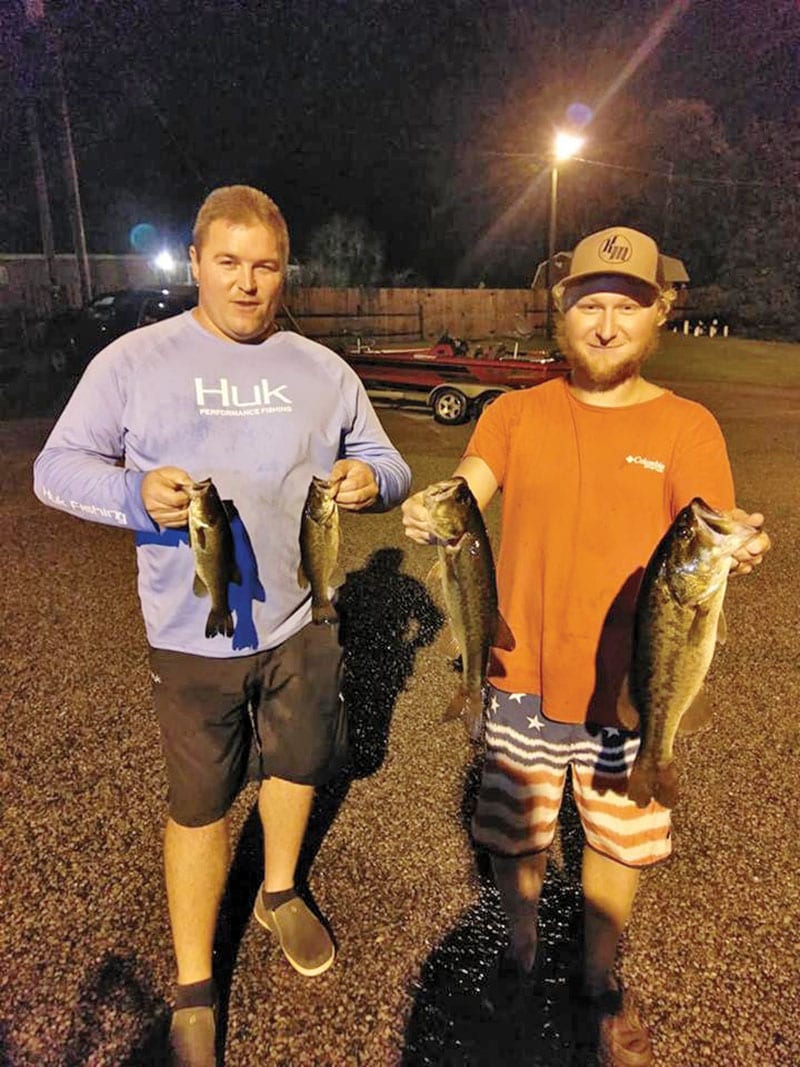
[{"x": 648, "y": 464}]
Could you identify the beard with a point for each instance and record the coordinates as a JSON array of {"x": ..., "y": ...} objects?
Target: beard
[{"x": 605, "y": 378}]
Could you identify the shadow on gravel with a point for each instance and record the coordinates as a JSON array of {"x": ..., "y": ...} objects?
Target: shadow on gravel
[
  {"x": 111, "y": 992},
  {"x": 460, "y": 1018},
  {"x": 385, "y": 616}
]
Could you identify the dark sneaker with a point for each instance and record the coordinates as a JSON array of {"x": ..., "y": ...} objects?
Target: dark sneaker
[
  {"x": 306, "y": 943},
  {"x": 192, "y": 1038}
]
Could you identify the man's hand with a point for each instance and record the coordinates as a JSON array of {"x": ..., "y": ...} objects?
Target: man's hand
[
  {"x": 165, "y": 496},
  {"x": 354, "y": 484},
  {"x": 417, "y": 520},
  {"x": 751, "y": 554}
]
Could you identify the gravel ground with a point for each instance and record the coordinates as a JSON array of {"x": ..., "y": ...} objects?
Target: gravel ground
[{"x": 86, "y": 971}]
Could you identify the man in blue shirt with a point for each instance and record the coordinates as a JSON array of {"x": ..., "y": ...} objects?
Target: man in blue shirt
[{"x": 219, "y": 392}]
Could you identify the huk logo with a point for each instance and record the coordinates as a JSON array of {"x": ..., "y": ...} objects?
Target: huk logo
[
  {"x": 616, "y": 249},
  {"x": 225, "y": 398}
]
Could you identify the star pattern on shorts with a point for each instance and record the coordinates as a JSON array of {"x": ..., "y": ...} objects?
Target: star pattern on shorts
[
  {"x": 535, "y": 723},
  {"x": 517, "y": 697},
  {"x": 494, "y": 705},
  {"x": 610, "y": 731}
]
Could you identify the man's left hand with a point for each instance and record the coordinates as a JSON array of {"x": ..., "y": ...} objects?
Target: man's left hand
[
  {"x": 357, "y": 487},
  {"x": 751, "y": 554}
]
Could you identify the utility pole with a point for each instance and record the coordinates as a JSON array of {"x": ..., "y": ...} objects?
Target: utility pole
[
  {"x": 551, "y": 251},
  {"x": 42, "y": 199},
  {"x": 667, "y": 205},
  {"x": 30, "y": 90},
  {"x": 38, "y": 20}
]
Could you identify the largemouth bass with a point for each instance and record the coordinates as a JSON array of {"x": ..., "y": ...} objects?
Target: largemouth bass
[
  {"x": 319, "y": 547},
  {"x": 677, "y": 624},
  {"x": 214, "y": 561},
  {"x": 466, "y": 568}
]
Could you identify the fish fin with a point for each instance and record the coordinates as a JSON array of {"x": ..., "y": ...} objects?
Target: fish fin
[
  {"x": 434, "y": 574},
  {"x": 626, "y": 712},
  {"x": 302, "y": 579},
  {"x": 696, "y": 632},
  {"x": 455, "y": 647},
  {"x": 722, "y": 629},
  {"x": 324, "y": 612},
  {"x": 199, "y": 587},
  {"x": 200, "y": 534},
  {"x": 697, "y": 716},
  {"x": 503, "y": 637},
  {"x": 469, "y": 707},
  {"x": 219, "y": 621}
]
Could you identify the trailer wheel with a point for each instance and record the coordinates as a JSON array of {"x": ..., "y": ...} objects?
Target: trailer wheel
[
  {"x": 450, "y": 407},
  {"x": 483, "y": 401}
]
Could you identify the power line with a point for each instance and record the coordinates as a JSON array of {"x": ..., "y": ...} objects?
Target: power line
[{"x": 672, "y": 176}]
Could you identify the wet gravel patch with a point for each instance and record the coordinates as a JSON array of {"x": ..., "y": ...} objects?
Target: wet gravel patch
[{"x": 86, "y": 957}]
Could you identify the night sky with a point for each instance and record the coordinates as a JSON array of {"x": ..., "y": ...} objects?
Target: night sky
[{"x": 428, "y": 120}]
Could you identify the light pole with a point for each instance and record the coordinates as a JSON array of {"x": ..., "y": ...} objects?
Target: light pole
[{"x": 566, "y": 145}]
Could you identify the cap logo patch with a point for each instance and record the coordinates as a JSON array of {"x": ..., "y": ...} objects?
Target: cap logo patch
[{"x": 615, "y": 249}]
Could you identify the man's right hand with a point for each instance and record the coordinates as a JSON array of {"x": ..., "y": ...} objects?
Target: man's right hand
[
  {"x": 165, "y": 496},
  {"x": 417, "y": 520}
]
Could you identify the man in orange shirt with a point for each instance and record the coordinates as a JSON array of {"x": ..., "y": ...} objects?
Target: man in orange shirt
[{"x": 593, "y": 471}]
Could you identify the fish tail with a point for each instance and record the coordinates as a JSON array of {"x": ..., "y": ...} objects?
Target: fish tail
[
  {"x": 652, "y": 781},
  {"x": 665, "y": 786},
  {"x": 220, "y": 621},
  {"x": 467, "y": 706},
  {"x": 323, "y": 612}
]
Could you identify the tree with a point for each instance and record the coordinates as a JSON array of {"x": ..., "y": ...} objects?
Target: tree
[
  {"x": 343, "y": 252},
  {"x": 760, "y": 272}
]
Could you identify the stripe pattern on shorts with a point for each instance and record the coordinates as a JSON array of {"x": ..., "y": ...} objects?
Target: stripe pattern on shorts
[{"x": 527, "y": 757}]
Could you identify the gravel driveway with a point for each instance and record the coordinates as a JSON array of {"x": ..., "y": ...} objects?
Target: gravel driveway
[{"x": 712, "y": 950}]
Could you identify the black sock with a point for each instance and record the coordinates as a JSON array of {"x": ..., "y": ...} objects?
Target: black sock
[
  {"x": 196, "y": 995},
  {"x": 274, "y": 900}
]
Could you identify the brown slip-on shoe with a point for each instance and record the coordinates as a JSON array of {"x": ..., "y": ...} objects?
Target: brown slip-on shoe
[
  {"x": 306, "y": 943},
  {"x": 192, "y": 1038},
  {"x": 622, "y": 1039}
]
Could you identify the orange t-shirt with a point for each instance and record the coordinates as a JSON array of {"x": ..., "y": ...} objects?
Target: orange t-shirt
[{"x": 588, "y": 492}]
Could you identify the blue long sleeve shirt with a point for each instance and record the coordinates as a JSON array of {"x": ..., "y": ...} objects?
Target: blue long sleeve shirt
[{"x": 259, "y": 420}]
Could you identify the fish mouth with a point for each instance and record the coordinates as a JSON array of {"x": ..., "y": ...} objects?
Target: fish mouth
[
  {"x": 443, "y": 490},
  {"x": 198, "y": 488},
  {"x": 717, "y": 525}
]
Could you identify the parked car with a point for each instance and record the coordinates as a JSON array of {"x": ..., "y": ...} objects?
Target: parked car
[{"x": 74, "y": 337}]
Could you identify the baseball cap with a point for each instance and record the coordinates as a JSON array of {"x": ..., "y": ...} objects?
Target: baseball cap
[{"x": 616, "y": 250}]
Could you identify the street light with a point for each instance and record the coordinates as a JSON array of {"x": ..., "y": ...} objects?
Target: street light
[{"x": 565, "y": 146}]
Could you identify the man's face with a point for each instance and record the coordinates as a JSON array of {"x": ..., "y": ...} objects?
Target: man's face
[
  {"x": 607, "y": 336},
  {"x": 240, "y": 278}
]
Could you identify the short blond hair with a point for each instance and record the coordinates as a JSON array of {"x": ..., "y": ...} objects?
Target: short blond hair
[{"x": 241, "y": 204}]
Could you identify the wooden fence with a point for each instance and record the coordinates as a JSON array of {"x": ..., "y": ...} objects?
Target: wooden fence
[
  {"x": 396, "y": 315},
  {"x": 332, "y": 315}
]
